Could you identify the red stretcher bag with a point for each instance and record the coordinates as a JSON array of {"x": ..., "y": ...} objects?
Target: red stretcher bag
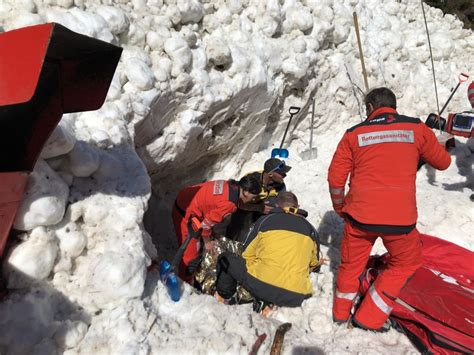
[{"x": 436, "y": 307}]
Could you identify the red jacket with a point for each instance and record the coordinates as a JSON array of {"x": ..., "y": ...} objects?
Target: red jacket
[
  {"x": 381, "y": 155},
  {"x": 210, "y": 202}
]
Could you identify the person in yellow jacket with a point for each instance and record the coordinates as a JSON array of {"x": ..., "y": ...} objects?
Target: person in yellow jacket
[{"x": 280, "y": 251}]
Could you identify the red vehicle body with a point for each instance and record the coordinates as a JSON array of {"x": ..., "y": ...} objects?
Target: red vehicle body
[{"x": 45, "y": 71}]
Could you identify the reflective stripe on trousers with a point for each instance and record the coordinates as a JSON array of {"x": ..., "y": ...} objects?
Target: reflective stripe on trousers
[
  {"x": 378, "y": 300},
  {"x": 346, "y": 295}
]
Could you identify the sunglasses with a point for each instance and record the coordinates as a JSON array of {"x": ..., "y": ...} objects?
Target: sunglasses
[{"x": 280, "y": 166}]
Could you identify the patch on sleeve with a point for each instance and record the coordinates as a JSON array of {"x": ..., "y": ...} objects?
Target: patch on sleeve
[
  {"x": 218, "y": 187},
  {"x": 397, "y": 136}
]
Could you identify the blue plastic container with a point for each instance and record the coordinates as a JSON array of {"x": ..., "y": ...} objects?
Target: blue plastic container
[{"x": 173, "y": 284}]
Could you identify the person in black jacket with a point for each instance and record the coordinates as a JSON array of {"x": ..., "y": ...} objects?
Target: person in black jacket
[{"x": 272, "y": 180}]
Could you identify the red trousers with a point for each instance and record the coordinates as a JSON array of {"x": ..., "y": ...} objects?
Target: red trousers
[
  {"x": 192, "y": 252},
  {"x": 405, "y": 259}
]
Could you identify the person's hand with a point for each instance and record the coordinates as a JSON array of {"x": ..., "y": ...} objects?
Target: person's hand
[
  {"x": 443, "y": 138},
  {"x": 267, "y": 209},
  {"x": 209, "y": 244}
]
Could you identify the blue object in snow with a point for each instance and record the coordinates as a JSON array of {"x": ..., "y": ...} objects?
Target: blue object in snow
[
  {"x": 172, "y": 283},
  {"x": 280, "y": 153}
]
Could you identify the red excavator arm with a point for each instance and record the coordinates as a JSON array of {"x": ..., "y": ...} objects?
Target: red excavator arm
[{"x": 45, "y": 71}]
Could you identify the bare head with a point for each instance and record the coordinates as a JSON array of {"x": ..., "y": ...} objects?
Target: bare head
[
  {"x": 380, "y": 97},
  {"x": 286, "y": 200}
]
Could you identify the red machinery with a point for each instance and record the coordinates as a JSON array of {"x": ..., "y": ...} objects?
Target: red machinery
[{"x": 45, "y": 71}]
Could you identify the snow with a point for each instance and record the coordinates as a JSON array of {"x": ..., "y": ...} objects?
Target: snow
[
  {"x": 202, "y": 91},
  {"x": 44, "y": 201}
]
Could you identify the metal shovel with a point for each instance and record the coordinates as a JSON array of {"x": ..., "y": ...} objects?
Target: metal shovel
[{"x": 283, "y": 152}]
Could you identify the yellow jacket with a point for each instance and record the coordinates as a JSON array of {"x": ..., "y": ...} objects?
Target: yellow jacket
[
  {"x": 269, "y": 192},
  {"x": 281, "y": 250}
]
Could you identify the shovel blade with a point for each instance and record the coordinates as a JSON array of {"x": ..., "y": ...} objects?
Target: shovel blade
[
  {"x": 280, "y": 153},
  {"x": 309, "y": 154}
]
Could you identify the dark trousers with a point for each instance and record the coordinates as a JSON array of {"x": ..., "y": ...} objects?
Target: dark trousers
[
  {"x": 240, "y": 223},
  {"x": 231, "y": 270}
]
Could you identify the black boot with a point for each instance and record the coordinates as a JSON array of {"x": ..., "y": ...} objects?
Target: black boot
[{"x": 383, "y": 329}]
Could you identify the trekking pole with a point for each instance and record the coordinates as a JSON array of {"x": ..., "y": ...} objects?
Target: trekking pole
[
  {"x": 431, "y": 57},
  {"x": 462, "y": 78},
  {"x": 293, "y": 111},
  {"x": 311, "y": 133},
  {"x": 361, "y": 54}
]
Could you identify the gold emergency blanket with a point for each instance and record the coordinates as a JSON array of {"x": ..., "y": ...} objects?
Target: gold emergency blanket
[{"x": 206, "y": 274}]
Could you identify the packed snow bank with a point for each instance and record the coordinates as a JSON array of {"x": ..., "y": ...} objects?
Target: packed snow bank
[{"x": 202, "y": 91}]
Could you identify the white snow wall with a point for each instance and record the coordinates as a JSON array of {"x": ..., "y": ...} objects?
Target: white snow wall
[{"x": 201, "y": 86}]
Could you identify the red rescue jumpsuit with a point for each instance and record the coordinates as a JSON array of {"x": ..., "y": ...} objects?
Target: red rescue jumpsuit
[
  {"x": 210, "y": 202},
  {"x": 470, "y": 94},
  {"x": 381, "y": 155}
]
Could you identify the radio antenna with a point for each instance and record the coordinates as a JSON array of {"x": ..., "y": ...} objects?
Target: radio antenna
[{"x": 431, "y": 57}]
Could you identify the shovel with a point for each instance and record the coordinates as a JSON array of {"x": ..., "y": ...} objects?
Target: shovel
[
  {"x": 311, "y": 153},
  {"x": 281, "y": 152}
]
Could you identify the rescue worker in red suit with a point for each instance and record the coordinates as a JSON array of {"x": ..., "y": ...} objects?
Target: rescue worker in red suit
[
  {"x": 381, "y": 156},
  {"x": 470, "y": 94},
  {"x": 212, "y": 203}
]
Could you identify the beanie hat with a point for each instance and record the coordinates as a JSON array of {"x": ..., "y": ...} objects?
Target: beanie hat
[{"x": 470, "y": 94}]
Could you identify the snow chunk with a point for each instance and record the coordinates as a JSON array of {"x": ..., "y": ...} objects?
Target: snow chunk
[
  {"x": 77, "y": 20},
  {"x": 218, "y": 52},
  {"x": 28, "y": 5},
  {"x": 83, "y": 160},
  {"x": 136, "y": 34},
  {"x": 70, "y": 334},
  {"x": 32, "y": 259},
  {"x": 442, "y": 44},
  {"x": 223, "y": 15},
  {"x": 297, "y": 66},
  {"x": 173, "y": 14},
  {"x": 298, "y": 18},
  {"x": 189, "y": 36},
  {"x": 235, "y": 6},
  {"x": 267, "y": 24},
  {"x": 60, "y": 142},
  {"x": 72, "y": 240},
  {"x": 139, "y": 74},
  {"x": 191, "y": 11},
  {"x": 117, "y": 277},
  {"x": 110, "y": 167},
  {"x": 44, "y": 201},
  {"x": 180, "y": 53},
  {"x": 24, "y": 19},
  {"x": 299, "y": 45},
  {"x": 116, "y": 19},
  {"x": 139, "y": 5},
  {"x": 65, "y": 3},
  {"x": 156, "y": 39},
  {"x": 182, "y": 82}
]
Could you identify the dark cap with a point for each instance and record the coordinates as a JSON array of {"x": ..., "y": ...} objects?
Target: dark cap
[{"x": 276, "y": 165}]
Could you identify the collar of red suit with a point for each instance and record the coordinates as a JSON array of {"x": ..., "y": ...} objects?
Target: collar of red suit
[{"x": 379, "y": 111}]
